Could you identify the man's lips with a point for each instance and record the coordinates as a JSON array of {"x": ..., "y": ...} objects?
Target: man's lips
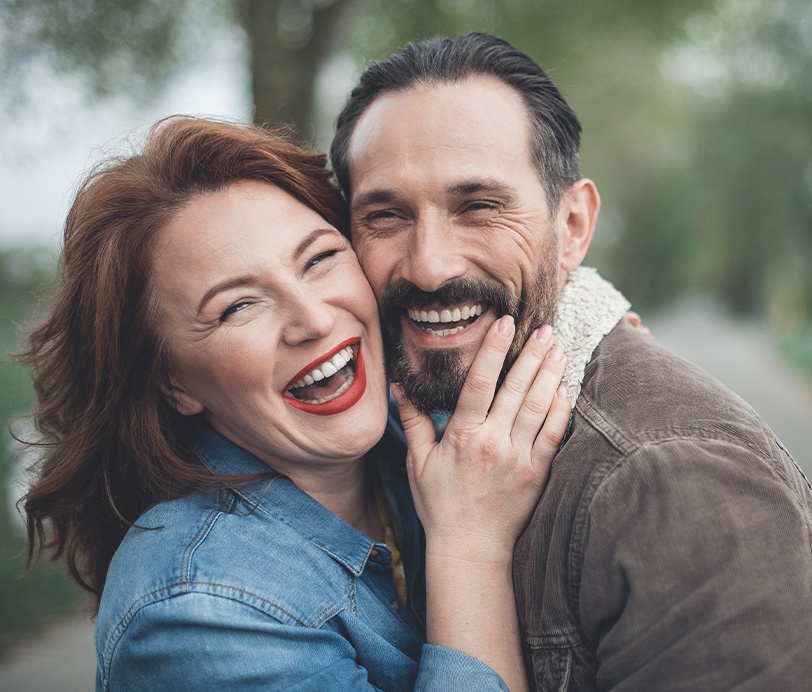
[{"x": 340, "y": 359}]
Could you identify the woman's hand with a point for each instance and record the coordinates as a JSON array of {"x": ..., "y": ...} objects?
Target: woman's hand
[
  {"x": 476, "y": 489},
  {"x": 637, "y": 322}
]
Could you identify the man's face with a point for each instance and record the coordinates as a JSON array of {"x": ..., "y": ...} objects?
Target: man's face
[{"x": 452, "y": 227}]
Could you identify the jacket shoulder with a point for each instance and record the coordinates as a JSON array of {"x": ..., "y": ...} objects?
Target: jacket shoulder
[
  {"x": 637, "y": 392},
  {"x": 208, "y": 543}
]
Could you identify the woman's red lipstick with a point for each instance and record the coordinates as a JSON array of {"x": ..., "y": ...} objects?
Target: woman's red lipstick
[{"x": 343, "y": 401}]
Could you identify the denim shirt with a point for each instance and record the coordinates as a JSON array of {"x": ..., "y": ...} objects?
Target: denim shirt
[{"x": 263, "y": 588}]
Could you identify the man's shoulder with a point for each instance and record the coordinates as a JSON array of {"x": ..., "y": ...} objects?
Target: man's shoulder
[
  {"x": 636, "y": 392},
  {"x": 642, "y": 406}
]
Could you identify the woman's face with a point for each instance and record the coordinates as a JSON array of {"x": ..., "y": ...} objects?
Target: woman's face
[{"x": 271, "y": 328}]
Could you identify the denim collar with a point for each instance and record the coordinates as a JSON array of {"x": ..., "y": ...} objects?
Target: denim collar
[{"x": 281, "y": 499}]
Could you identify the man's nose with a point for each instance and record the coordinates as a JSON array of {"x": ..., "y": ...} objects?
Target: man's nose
[
  {"x": 435, "y": 255},
  {"x": 307, "y": 316}
]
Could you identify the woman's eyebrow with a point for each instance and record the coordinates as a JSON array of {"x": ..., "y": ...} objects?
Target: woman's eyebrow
[
  {"x": 311, "y": 238},
  {"x": 234, "y": 282},
  {"x": 247, "y": 279}
]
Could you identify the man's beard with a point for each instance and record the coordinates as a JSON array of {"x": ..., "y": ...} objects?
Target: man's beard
[{"x": 435, "y": 381}]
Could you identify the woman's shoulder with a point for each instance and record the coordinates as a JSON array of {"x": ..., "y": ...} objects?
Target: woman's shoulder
[{"x": 215, "y": 546}]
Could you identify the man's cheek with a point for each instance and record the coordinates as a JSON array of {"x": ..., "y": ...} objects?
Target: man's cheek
[{"x": 377, "y": 278}]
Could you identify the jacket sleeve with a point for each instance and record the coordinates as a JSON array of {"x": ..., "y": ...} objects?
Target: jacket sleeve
[
  {"x": 697, "y": 572},
  {"x": 199, "y": 641}
]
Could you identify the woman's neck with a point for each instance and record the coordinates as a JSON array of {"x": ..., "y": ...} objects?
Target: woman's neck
[{"x": 348, "y": 491}]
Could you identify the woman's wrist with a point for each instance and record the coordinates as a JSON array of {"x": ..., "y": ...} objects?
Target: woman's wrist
[{"x": 468, "y": 549}]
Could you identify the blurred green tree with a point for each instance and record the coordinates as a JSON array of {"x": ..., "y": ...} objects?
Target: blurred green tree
[
  {"x": 730, "y": 212},
  {"x": 135, "y": 45}
]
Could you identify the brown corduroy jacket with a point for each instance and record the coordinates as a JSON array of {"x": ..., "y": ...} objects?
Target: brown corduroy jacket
[{"x": 672, "y": 547}]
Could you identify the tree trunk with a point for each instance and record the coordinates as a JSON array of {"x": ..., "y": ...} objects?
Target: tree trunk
[{"x": 288, "y": 41}]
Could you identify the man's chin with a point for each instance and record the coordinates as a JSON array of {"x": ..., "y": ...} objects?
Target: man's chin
[{"x": 432, "y": 379}]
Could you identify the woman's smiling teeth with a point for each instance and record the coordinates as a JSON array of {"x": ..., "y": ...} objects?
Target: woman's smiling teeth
[
  {"x": 446, "y": 316},
  {"x": 321, "y": 380}
]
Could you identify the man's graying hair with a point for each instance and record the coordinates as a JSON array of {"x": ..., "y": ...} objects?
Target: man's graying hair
[{"x": 555, "y": 130}]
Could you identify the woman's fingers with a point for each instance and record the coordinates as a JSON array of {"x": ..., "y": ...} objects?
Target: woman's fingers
[
  {"x": 523, "y": 373},
  {"x": 418, "y": 428},
  {"x": 552, "y": 432},
  {"x": 477, "y": 392},
  {"x": 539, "y": 399},
  {"x": 637, "y": 322}
]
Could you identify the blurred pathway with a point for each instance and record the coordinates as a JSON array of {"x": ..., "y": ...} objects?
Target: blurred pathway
[
  {"x": 61, "y": 659},
  {"x": 740, "y": 355}
]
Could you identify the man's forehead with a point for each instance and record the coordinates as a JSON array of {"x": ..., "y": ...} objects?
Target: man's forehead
[
  {"x": 442, "y": 108},
  {"x": 448, "y": 124}
]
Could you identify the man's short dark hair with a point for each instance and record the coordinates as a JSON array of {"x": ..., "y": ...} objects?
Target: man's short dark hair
[{"x": 555, "y": 130}]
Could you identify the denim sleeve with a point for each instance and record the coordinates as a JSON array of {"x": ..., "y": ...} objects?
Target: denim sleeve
[
  {"x": 201, "y": 641},
  {"x": 450, "y": 670},
  {"x": 697, "y": 572}
]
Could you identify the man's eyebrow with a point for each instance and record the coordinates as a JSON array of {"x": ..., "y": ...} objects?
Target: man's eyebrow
[
  {"x": 247, "y": 279},
  {"x": 385, "y": 195},
  {"x": 381, "y": 195},
  {"x": 468, "y": 187}
]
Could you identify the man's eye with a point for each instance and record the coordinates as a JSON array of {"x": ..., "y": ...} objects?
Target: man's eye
[
  {"x": 383, "y": 215},
  {"x": 479, "y": 206},
  {"x": 231, "y": 309},
  {"x": 320, "y": 258}
]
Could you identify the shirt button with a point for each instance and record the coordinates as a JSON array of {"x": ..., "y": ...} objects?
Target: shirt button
[
  {"x": 374, "y": 552},
  {"x": 396, "y": 606}
]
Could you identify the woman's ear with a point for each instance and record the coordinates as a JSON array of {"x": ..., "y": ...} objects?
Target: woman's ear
[
  {"x": 179, "y": 399},
  {"x": 580, "y": 208}
]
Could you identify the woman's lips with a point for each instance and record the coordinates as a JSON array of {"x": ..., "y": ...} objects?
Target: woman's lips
[{"x": 347, "y": 398}]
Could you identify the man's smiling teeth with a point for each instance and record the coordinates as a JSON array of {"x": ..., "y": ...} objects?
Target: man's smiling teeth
[
  {"x": 327, "y": 369},
  {"x": 453, "y": 315},
  {"x": 445, "y": 316}
]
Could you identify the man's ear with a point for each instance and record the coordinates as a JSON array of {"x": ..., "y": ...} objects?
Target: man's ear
[
  {"x": 180, "y": 400},
  {"x": 580, "y": 208}
]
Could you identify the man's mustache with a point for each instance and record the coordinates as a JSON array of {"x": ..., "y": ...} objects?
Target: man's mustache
[{"x": 404, "y": 294}]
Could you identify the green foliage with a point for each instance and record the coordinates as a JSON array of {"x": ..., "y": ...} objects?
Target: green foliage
[
  {"x": 797, "y": 347},
  {"x": 24, "y": 274},
  {"x": 26, "y": 601},
  {"x": 115, "y": 46}
]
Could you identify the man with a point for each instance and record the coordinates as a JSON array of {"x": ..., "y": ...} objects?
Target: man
[{"x": 672, "y": 546}]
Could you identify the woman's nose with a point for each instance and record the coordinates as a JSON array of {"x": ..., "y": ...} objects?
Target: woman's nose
[{"x": 307, "y": 317}]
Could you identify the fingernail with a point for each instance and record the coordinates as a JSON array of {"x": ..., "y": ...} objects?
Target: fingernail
[
  {"x": 563, "y": 392},
  {"x": 545, "y": 334},
  {"x": 557, "y": 353},
  {"x": 506, "y": 325}
]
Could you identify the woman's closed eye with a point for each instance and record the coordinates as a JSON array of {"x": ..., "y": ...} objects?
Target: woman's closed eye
[
  {"x": 320, "y": 257},
  {"x": 234, "y": 307}
]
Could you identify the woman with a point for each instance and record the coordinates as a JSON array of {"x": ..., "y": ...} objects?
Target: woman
[{"x": 212, "y": 396}]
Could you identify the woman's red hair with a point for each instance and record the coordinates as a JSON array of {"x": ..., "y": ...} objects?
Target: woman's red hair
[{"x": 110, "y": 444}]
